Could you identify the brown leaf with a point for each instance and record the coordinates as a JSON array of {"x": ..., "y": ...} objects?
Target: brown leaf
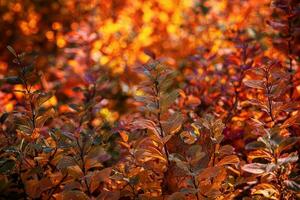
[
  {"x": 74, "y": 195},
  {"x": 32, "y": 188},
  {"x": 255, "y": 168},
  {"x": 277, "y": 25},
  {"x": 176, "y": 196},
  {"x": 267, "y": 190},
  {"x": 109, "y": 195},
  {"x": 209, "y": 172},
  {"x": 229, "y": 160},
  {"x": 256, "y": 84},
  {"x": 260, "y": 154},
  {"x": 287, "y": 143},
  {"x": 97, "y": 177}
]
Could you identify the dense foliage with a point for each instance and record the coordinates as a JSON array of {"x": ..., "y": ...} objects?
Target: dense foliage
[{"x": 150, "y": 99}]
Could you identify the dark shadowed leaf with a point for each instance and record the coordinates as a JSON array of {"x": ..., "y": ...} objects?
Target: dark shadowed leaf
[
  {"x": 3, "y": 117},
  {"x": 287, "y": 143},
  {"x": 150, "y": 53},
  {"x": 255, "y": 145},
  {"x": 40, "y": 120},
  {"x": 13, "y": 80},
  {"x": 11, "y": 49},
  {"x": 6, "y": 165},
  {"x": 292, "y": 185},
  {"x": 75, "y": 107}
]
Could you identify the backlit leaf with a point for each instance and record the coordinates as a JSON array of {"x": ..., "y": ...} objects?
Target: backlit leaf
[
  {"x": 229, "y": 160},
  {"x": 256, "y": 84}
]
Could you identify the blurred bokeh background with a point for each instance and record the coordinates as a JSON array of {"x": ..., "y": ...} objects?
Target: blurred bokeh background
[{"x": 68, "y": 38}]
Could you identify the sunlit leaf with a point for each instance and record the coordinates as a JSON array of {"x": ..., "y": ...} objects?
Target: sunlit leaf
[
  {"x": 291, "y": 158},
  {"x": 267, "y": 190},
  {"x": 229, "y": 160},
  {"x": 261, "y": 154},
  {"x": 188, "y": 137}
]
